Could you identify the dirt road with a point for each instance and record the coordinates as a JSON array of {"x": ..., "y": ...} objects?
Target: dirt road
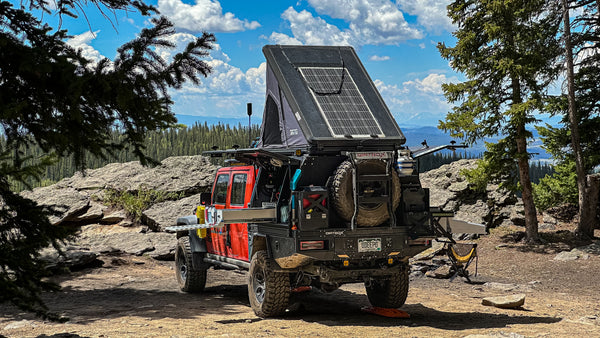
[{"x": 138, "y": 297}]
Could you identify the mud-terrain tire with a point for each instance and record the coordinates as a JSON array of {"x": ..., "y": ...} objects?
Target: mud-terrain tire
[
  {"x": 268, "y": 291},
  {"x": 389, "y": 292},
  {"x": 189, "y": 279},
  {"x": 342, "y": 197}
]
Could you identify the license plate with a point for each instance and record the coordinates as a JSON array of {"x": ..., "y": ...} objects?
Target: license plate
[
  {"x": 369, "y": 244},
  {"x": 373, "y": 155}
]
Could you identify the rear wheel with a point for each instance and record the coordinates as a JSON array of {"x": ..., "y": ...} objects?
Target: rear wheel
[
  {"x": 268, "y": 291},
  {"x": 390, "y": 292},
  {"x": 188, "y": 278}
]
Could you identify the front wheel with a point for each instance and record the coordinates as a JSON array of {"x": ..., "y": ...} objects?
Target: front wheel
[
  {"x": 268, "y": 291},
  {"x": 389, "y": 292},
  {"x": 188, "y": 278}
]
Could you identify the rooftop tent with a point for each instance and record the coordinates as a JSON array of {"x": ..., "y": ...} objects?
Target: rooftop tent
[{"x": 321, "y": 96}]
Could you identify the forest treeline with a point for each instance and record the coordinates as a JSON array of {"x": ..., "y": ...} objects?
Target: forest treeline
[{"x": 195, "y": 139}]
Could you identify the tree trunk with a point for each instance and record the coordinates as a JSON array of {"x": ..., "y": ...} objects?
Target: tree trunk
[
  {"x": 531, "y": 223},
  {"x": 592, "y": 192},
  {"x": 585, "y": 228}
]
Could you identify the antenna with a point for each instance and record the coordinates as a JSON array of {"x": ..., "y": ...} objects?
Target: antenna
[{"x": 249, "y": 109}]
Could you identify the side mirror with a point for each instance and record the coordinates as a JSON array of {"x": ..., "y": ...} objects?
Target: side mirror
[{"x": 205, "y": 198}]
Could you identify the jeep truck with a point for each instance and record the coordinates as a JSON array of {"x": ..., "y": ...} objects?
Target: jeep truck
[{"x": 329, "y": 195}]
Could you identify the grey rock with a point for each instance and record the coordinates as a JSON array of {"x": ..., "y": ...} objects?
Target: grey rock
[
  {"x": 435, "y": 248},
  {"x": 20, "y": 324},
  {"x": 593, "y": 248},
  {"x": 165, "y": 214},
  {"x": 572, "y": 255},
  {"x": 164, "y": 246},
  {"x": 450, "y": 191},
  {"x": 187, "y": 174},
  {"x": 68, "y": 201},
  {"x": 114, "y": 216},
  {"x": 441, "y": 272},
  {"x": 505, "y": 302},
  {"x": 71, "y": 258},
  {"x": 94, "y": 212},
  {"x": 547, "y": 226},
  {"x": 127, "y": 242}
]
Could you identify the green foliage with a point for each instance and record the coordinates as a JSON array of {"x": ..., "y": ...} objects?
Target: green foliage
[
  {"x": 180, "y": 141},
  {"x": 134, "y": 203},
  {"x": 506, "y": 50},
  {"x": 556, "y": 189},
  {"x": 55, "y": 100}
]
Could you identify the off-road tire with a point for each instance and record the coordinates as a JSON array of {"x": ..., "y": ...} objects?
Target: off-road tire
[
  {"x": 268, "y": 291},
  {"x": 389, "y": 292},
  {"x": 342, "y": 196},
  {"x": 189, "y": 279}
]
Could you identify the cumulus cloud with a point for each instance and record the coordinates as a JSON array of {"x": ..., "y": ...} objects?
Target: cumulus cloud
[
  {"x": 224, "y": 92},
  {"x": 379, "y": 58},
  {"x": 82, "y": 43},
  {"x": 205, "y": 15},
  {"x": 376, "y": 22},
  {"x": 412, "y": 98},
  {"x": 431, "y": 14},
  {"x": 282, "y": 39}
]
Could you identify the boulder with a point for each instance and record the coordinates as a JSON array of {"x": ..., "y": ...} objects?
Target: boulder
[
  {"x": 180, "y": 174},
  {"x": 68, "y": 201},
  {"x": 450, "y": 191},
  {"x": 73, "y": 258},
  {"x": 505, "y": 302},
  {"x": 114, "y": 216},
  {"x": 164, "y": 246},
  {"x": 441, "y": 272},
  {"x": 164, "y": 214}
]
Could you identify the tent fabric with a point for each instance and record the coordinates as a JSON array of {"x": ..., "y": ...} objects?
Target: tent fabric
[{"x": 295, "y": 115}]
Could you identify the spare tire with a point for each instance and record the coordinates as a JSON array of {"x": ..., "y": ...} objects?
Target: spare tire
[{"x": 341, "y": 194}]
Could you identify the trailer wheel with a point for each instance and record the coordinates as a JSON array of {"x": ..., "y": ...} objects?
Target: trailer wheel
[
  {"x": 268, "y": 291},
  {"x": 369, "y": 214},
  {"x": 389, "y": 292},
  {"x": 188, "y": 278}
]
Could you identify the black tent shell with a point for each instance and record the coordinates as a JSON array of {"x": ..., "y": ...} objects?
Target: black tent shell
[{"x": 322, "y": 97}]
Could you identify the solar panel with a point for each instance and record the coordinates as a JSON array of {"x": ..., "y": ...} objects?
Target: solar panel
[{"x": 340, "y": 102}]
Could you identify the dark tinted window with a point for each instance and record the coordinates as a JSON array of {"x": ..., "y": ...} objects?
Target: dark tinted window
[
  {"x": 238, "y": 189},
  {"x": 220, "y": 193}
]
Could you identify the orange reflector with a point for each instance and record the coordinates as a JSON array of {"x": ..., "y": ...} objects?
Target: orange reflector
[
  {"x": 301, "y": 289},
  {"x": 384, "y": 312},
  {"x": 346, "y": 263},
  {"x": 390, "y": 261},
  {"x": 312, "y": 245}
]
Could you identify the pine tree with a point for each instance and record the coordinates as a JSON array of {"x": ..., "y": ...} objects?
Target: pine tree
[
  {"x": 504, "y": 49},
  {"x": 53, "y": 98}
]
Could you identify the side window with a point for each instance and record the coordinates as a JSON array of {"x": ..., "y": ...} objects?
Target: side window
[
  {"x": 220, "y": 193},
  {"x": 238, "y": 189}
]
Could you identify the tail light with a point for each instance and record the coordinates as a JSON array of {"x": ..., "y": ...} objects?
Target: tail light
[{"x": 312, "y": 245}]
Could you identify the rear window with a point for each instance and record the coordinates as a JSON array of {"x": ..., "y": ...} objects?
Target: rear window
[
  {"x": 238, "y": 189},
  {"x": 220, "y": 193}
]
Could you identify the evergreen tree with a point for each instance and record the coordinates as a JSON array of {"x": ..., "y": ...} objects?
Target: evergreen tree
[
  {"x": 53, "y": 98},
  {"x": 505, "y": 49}
]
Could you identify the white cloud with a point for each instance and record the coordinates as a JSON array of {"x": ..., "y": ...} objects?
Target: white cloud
[
  {"x": 413, "y": 98},
  {"x": 282, "y": 39},
  {"x": 374, "y": 22},
  {"x": 224, "y": 92},
  {"x": 82, "y": 43},
  {"x": 431, "y": 14},
  {"x": 379, "y": 58},
  {"x": 422, "y": 45},
  {"x": 205, "y": 15}
]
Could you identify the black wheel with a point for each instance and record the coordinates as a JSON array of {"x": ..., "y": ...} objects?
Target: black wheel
[
  {"x": 341, "y": 192},
  {"x": 390, "y": 292},
  {"x": 189, "y": 279},
  {"x": 268, "y": 291}
]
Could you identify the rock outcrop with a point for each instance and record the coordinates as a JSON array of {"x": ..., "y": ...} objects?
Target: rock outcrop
[
  {"x": 107, "y": 230},
  {"x": 450, "y": 191}
]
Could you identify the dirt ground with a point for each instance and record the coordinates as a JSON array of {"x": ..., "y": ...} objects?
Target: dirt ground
[{"x": 138, "y": 297}]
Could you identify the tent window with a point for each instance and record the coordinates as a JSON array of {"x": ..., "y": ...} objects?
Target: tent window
[{"x": 271, "y": 131}]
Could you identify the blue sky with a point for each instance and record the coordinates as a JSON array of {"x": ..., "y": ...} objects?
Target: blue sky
[{"x": 396, "y": 41}]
